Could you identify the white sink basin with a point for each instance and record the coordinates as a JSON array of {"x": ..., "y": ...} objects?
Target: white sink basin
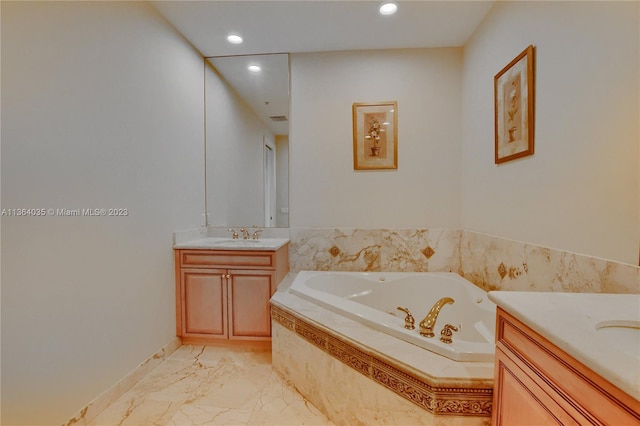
[
  {"x": 621, "y": 334},
  {"x": 241, "y": 244},
  {"x": 239, "y": 241}
]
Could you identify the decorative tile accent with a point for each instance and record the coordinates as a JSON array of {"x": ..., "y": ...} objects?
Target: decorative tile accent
[
  {"x": 334, "y": 251},
  {"x": 516, "y": 272},
  {"x": 502, "y": 270},
  {"x": 283, "y": 318},
  {"x": 428, "y": 252},
  {"x": 450, "y": 400}
]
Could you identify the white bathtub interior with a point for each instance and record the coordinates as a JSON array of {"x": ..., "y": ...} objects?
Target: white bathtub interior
[{"x": 373, "y": 298}]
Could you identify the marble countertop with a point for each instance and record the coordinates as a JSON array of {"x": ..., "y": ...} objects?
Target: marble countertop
[
  {"x": 262, "y": 244},
  {"x": 600, "y": 330}
]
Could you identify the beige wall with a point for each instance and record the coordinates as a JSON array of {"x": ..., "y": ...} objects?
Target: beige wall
[
  {"x": 325, "y": 190},
  {"x": 101, "y": 108},
  {"x": 580, "y": 191}
]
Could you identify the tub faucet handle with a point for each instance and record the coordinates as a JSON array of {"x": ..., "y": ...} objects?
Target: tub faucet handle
[
  {"x": 256, "y": 234},
  {"x": 447, "y": 332},
  {"x": 409, "y": 321},
  {"x": 234, "y": 234}
]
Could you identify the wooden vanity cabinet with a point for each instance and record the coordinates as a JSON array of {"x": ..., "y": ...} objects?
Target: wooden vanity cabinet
[
  {"x": 536, "y": 383},
  {"x": 224, "y": 294}
]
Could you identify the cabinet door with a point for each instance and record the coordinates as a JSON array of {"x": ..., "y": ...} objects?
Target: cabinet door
[
  {"x": 249, "y": 294},
  {"x": 519, "y": 401},
  {"x": 204, "y": 296}
]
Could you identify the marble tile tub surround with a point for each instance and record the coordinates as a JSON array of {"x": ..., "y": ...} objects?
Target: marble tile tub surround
[
  {"x": 490, "y": 262},
  {"x": 494, "y": 263},
  {"x": 396, "y": 373},
  {"x": 368, "y": 250},
  {"x": 347, "y": 396}
]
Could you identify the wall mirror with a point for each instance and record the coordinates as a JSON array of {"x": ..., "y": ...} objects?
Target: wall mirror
[{"x": 246, "y": 102}]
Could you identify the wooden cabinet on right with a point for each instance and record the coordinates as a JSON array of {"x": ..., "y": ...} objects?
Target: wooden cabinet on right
[{"x": 536, "y": 383}]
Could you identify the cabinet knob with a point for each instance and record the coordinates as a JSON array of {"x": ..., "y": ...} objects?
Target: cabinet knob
[{"x": 228, "y": 276}]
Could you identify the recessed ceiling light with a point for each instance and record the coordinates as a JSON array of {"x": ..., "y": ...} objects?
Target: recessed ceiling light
[
  {"x": 388, "y": 8},
  {"x": 254, "y": 68},
  {"x": 234, "y": 38}
]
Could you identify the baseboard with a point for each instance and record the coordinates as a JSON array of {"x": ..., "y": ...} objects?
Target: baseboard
[
  {"x": 228, "y": 343},
  {"x": 95, "y": 407}
]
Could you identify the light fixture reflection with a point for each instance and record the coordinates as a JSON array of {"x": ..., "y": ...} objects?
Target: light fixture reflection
[{"x": 254, "y": 68}]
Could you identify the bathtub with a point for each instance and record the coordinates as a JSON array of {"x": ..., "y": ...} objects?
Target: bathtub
[{"x": 373, "y": 298}]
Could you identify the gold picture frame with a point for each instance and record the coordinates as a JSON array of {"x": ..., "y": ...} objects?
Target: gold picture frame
[
  {"x": 514, "y": 108},
  {"x": 375, "y": 135}
]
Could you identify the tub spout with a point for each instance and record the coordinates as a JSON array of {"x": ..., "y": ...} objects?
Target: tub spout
[{"x": 429, "y": 322}]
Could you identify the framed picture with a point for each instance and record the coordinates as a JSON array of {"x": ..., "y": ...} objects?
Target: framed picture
[
  {"x": 375, "y": 135},
  {"x": 514, "y": 108}
]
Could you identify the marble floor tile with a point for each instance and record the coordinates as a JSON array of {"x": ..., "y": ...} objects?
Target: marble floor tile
[
  {"x": 279, "y": 402},
  {"x": 203, "y": 385}
]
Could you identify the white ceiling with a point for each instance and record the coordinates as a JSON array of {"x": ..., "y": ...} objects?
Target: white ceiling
[{"x": 313, "y": 26}]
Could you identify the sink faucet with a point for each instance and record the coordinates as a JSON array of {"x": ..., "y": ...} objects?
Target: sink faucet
[
  {"x": 245, "y": 233},
  {"x": 234, "y": 235},
  {"x": 427, "y": 324}
]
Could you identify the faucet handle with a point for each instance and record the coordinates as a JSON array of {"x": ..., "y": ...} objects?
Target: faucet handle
[
  {"x": 447, "y": 332},
  {"x": 256, "y": 234},
  {"x": 245, "y": 233},
  {"x": 234, "y": 235},
  {"x": 409, "y": 321}
]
